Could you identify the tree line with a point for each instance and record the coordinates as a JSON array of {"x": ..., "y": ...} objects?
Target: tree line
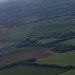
[
  {"x": 33, "y": 42},
  {"x": 31, "y": 62}
]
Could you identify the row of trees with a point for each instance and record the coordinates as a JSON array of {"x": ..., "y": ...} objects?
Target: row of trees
[
  {"x": 63, "y": 48},
  {"x": 59, "y": 35},
  {"x": 69, "y": 67},
  {"x": 50, "y": 65}
]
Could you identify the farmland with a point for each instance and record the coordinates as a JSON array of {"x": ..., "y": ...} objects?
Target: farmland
[
  {"x": 43, "y": 29},
  {"x": 31, "y": 70},
  {"x": 13, "y": 51},
  {"x": 62, "y": 59},
  {"x": 72, "y": 72},
  {"x": 38, "y": 24},
  {"x": 15, "y": 55},
  {"x": 21, "y": 32},
  {"x": 38, "y": 29}
]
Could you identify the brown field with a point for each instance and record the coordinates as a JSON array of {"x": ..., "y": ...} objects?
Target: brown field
[{"x": 35, "y": 53}]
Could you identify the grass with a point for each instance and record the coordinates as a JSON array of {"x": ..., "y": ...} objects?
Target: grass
[
  {"x": 34, "y": 11},
  {"x": 50, "y": 30},
  {"x": 69, "y": 42},
  {"x": 50, "y": 26},
  {"x": 39, "y": 29},
  {"x": 31, "y": 70},
  {"x": 71, "y": 72},
  {"x": 67, "y": 58},
  {"x": 43, "y": 41},
  {"x": 17, "y": 32}
]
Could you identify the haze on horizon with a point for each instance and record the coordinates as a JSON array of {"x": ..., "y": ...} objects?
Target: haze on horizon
[{"x": 3, "y": 0}]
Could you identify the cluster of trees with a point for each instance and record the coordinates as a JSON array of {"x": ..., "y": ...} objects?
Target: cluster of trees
[
  {"x": 57, "y": 47},
  {"x": 29, "y": 42},
  {"x": 32, "y": 42}
]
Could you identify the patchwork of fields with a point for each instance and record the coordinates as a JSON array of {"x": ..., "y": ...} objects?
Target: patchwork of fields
[
  {"x": 20, "y": 54},
  {"x": 43, "y": 29}
]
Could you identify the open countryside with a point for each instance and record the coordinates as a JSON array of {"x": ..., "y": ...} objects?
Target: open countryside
[{"x": 37, "y": 37}]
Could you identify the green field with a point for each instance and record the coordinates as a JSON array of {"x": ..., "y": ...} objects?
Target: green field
[
  {"x": 67, "y": 58},
  {"x": 33, "y": 20},
  {"x": 39, "y": 29},
  {"x": 43, "y": 41},
  {"x": 17, "y": 32},
  {"x": 69, "y": 42},
  {"x": 48, "y": 27},
  {"x": 31, "y": 70},
  {"x": 71, "y": 72}
]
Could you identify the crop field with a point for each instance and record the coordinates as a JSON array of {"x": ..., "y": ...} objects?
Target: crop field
[
  {"x": 31, "y": 70},
  {"x": 24, "y": 53},
  {"x": 71, "y": 72},
  {"x": 67, "y": 58},
  {"x": 39, "y": 29},
  {"x": 69, "y": 42},
  {"x": 32, "y": 29}
]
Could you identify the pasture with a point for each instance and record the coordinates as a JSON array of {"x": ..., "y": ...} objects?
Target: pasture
[
  {"x": 71, "y": 72},
  {"x": 31, "y": 70},
  {"x": 39, "y": 29},
  {"x": 67, "y": 58},
  {"x": 17, "y": 32}
]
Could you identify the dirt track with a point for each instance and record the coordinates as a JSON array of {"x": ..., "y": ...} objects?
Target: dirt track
[{"x": 35, "y": 53}]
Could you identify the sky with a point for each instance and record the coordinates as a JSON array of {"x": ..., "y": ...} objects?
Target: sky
[
  {"x": 8, "y": 0},
  {"x": 2, "y": 0}
]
